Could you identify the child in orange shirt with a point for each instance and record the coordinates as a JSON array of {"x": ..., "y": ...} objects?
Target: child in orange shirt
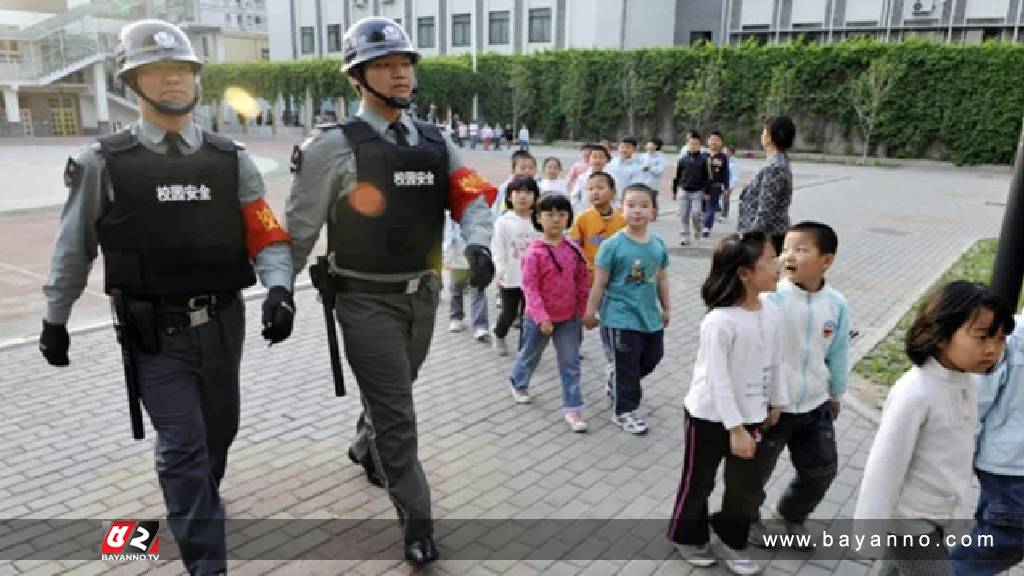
[{"x": 595, "y": 225}]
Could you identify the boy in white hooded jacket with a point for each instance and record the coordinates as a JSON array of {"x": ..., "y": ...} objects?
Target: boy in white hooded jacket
[{"x": 814, "y": 369}]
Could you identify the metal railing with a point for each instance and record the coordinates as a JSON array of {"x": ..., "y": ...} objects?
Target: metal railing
[{"x": 61, "y": 44}]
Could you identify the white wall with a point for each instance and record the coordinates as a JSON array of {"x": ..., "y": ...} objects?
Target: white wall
[
  {"x": 756, "y": 12},
  {"x": 809, "y": 11},
  {"x": 594, "y": 23},
  {"x": 421, "y": 8},
  {"x": 459, "y": 7},
  {"x": 650, "y": 23},
  {"x": 395, "y": 11},
  {"x": 538, "y": 46},
  {"x": 988, "y": 8},
  {"x": 279, "y": 25},
  {"x": 864, "y": 11},
  {"x": 333, "y": 13},
  {"x": 908, "y": 9},
  {"x": 497, "y": 6}
]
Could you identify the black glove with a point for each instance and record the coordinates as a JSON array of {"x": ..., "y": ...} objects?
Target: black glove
[
  {"x": 278, "y": 314},
  {"x": 54, "y": 343},
  {"x": 481, "y": 267}
]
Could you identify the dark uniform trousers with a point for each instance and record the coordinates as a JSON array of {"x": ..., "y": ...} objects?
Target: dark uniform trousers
[
  {"x": 190, "y": 390},
  {"x": 386, "y": 338}
]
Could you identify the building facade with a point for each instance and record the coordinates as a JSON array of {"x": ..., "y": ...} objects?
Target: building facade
[
  {"x": 823, "y": 21},
  {"x": 306, "y": 29},
  {"x": 57, "y": 73}
]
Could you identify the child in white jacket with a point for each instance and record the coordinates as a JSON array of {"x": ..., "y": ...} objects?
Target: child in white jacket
[
  {"x": 814, "y": 369},
  {"x": 917, "y": 479},
  {"x": 735, "y": 392},
  {"x": 513, "y": 232}
]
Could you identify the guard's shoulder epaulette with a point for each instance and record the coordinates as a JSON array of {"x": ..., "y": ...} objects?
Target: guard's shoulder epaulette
[{"x": 118, "y": 141}]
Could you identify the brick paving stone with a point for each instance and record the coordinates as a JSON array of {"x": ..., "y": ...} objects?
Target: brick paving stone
[{"x": 484, "y": 455}]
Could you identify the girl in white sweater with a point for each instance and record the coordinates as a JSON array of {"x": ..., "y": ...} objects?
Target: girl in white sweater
[
  {"x": 918, "y": 475},
  {"x": 513, "y": 232},
  {"x": 735, "y": 381}
]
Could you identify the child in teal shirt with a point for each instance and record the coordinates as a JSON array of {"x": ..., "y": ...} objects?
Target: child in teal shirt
[{"x": 631, "y": 289}]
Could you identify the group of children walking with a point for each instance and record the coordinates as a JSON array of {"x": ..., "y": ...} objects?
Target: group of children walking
[
  {"x": 770, "y": 374},
  {"x": 607, "y": 266}
]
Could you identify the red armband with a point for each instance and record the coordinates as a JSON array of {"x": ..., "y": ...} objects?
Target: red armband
[
  {"x": 464, "y": 186},
  {"x": 261, "y": 227}
]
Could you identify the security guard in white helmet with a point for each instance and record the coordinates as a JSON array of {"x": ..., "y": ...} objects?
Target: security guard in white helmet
[
  {"x": 382, "y": 182},
  {"x": 179, "y": 215}
]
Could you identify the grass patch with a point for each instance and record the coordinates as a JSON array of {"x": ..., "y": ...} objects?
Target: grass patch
[{"x": 886, "y": 362}]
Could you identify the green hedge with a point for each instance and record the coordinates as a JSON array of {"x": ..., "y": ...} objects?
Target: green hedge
[{"x": 968, "y": 98}]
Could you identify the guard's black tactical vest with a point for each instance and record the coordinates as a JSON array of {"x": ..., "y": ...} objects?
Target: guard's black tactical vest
[
  {"x": 393, "y": 220},
  {"x": 175, "y": 225}
]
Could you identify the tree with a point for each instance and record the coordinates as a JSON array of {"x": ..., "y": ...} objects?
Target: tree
[
  {"x": 779, "y": 97},
  {"x": 869, "y": 92},
  {"x": 701, "y": 95}
]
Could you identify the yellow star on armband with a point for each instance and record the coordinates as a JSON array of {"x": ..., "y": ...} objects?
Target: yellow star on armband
[
  {"x": 266, "y": 217},
  {"x": 472, "y": 182}
]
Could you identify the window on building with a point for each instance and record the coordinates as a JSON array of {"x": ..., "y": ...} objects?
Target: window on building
[
  {"x": 9, "y": 51},
  {"x": 334, "y": 37},
  {"x": 248, "y": 19},
  {"x": 265, "y": 53},
  {"x": 461, "y": 30},
  {"x": 540, "y": 25},
  {"x": 227, "y": 18},
  {"x": 425, "y": 32},
  {"x": 257, "y": 19},
  {"x": 497, "y": 27},
  {"x": 239, "y": 17},
  {"x": 206, "y": 47},
  {"x": 699, "y": 36},
  {"x": 307, "y": 39}
]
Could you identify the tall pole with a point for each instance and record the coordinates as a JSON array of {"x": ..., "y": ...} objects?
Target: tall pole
[
  {"x": 1008, "y": 270},
  {"x": 472, "y": 49},
  {"x": 1016, "y": 21}
]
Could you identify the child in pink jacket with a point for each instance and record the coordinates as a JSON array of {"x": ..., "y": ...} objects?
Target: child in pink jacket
[{"x": 555, "y": 285}]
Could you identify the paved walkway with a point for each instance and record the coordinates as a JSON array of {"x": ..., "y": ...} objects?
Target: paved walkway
[{"x": 68, "y": 453}]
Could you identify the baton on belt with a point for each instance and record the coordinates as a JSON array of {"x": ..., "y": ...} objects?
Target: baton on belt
[{"x": 320, "y": 275}]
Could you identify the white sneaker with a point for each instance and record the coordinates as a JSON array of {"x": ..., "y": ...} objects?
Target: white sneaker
[
  {"x": 455, "y": 326},
  {"x": 630, "y": 422},
  {"x": 737, "y": 561},
  {"x": 520, "y": 396},
  {"x": 575, "y": 421},
  {"x": 500, "y": 346},
  {"x": 482, "y": 335},
  {"x": 700, "y": 556}
]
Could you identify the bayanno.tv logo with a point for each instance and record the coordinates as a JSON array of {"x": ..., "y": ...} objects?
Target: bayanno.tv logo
[{"x": 132, "y": 540}]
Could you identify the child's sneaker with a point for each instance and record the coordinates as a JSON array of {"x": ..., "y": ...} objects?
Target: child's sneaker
[
  {"x": 482, "y": 335},
  {"x": 700, "y": 556},
  {"x": 630, "y": 422},
  {"x": 520, "y": 396},
  {"x": 575, "y": 421},
  {"x": 737, "y": 561},
  {"x": 707, "y": 232},
  {"x": 500, "y": 346},
  {"x": 455, "y": 326}
]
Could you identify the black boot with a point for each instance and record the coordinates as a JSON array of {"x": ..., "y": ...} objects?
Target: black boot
[
  {"x": 421, "y": 551},
  {"x": 371, "y": 475}
]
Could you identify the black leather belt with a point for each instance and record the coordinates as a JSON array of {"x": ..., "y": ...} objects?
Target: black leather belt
[
  {"x": 184, "y": 303},
  {"x": 175, "y": 313},
  {"x": 352, "y": 285}
]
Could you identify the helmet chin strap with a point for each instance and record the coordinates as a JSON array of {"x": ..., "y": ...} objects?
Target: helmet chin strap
[
  {"x": 390, "y": 101},
  {"x": 168, "y": 108}
]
